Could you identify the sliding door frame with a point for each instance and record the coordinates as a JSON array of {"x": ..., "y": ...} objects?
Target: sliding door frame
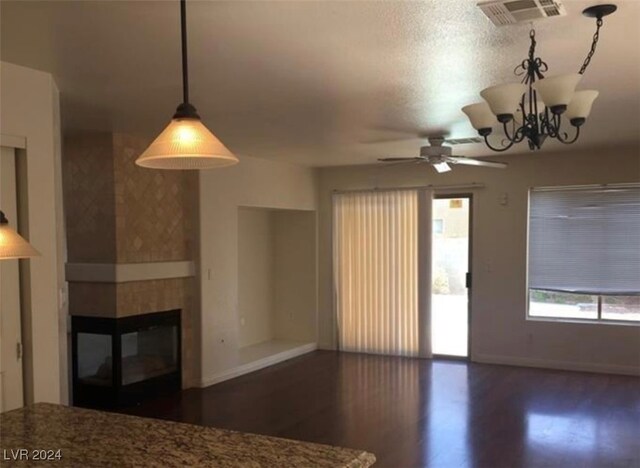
[{"x": 469, "y": 279}]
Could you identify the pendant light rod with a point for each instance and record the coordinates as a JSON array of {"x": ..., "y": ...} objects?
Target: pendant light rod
[
  {"x": 185, "y": 110},
  {"x": 185, "y": 61}
]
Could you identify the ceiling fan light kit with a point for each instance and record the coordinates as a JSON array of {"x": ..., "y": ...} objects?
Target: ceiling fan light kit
[
  {"x": 533, "y": 110},
  {"x": 186, "y": 143},
  {"x": 441, "y": 167}
]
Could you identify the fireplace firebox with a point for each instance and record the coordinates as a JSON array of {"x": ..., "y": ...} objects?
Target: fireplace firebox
[{"x": 122, "y": 361}]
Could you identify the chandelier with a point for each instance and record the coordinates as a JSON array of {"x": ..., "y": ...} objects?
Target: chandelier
[{"x": 536, "y": 108}]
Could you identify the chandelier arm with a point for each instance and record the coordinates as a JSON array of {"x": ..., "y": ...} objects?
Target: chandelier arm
[
  {"x": 575, "y": 138},
  {"x": 506, "y": 130},
  {"x": 594, "y": 44},
  {"x": 563, "y": 137},
  {"x": 550, "y": 125},
  {"x": 519, "y": 134},
  {"x": 504, "y": 148},
  {"x": 557, "y": 121}
]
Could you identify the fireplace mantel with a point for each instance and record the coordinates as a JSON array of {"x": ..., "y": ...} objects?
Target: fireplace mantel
[{"x": 125, "y": 272}]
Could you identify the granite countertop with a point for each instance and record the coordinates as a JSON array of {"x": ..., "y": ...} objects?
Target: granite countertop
[{"x": 91, "y": 438}]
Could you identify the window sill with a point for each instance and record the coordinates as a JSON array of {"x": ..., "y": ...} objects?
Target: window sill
[{"x": 627, "y": 323}]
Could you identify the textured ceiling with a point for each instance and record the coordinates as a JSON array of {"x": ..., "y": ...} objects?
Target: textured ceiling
[{"x": 315, "y": 83}]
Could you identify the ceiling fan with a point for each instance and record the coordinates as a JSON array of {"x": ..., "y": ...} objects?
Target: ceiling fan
[{"x": 440, "y": 157}]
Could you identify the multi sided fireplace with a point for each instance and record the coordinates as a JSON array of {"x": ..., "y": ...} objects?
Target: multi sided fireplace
[{"x": 121, "y": 361}]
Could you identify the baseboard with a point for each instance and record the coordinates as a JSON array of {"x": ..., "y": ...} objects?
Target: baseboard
[
  {"x": 259, "y": 364},
  {"x": 327, "y": 346},
  {"x": 553, "y": 364}
]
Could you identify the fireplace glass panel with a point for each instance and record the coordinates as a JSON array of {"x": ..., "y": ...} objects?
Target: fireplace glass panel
[
  {"x": 95, "y": 359},
  {"x": 149, "y": 353}
]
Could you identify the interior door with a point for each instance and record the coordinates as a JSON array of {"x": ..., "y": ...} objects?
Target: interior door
[
  {"x": 450, "y": 274},
  {"x": 11, "y": 383}
]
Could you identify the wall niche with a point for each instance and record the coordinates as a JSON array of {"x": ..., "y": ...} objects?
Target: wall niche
[{"x": 277, "y": 301}]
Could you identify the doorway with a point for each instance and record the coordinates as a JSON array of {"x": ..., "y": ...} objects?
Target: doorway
[
  {"x": 451, "y": 277},
  {"x": 11, "y": 378}
]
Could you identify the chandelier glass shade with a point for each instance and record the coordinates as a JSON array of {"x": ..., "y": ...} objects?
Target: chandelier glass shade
[
  {"x": 12, "y": 244},
  {"x": 538, "y": 107},
  {"x": 503, "y": 99},
  {"x": 186, "y": 143}
]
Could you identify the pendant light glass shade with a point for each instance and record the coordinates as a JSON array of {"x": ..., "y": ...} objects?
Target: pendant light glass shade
[
  {"x": 504, "y": 99},
  {"x": 480, "y": 115},
  {"x": 557, "y": 90},
  {"x": 186, "y": 144},
  {"x": 12, "y": 244},
  {"x": 580, "y": 105}
]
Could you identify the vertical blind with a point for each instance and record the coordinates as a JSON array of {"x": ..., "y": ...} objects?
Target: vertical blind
[
  {"x": 585, "y": 240},
  {"x": 380, "y": 284}
]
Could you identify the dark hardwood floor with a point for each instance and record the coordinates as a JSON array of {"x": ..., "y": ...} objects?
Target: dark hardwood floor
[{"x": 412, "y": 412}]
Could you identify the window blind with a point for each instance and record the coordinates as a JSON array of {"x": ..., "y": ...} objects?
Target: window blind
[
  {"x": 380, "y": 271},
  {"x": 585, "y": 240}
]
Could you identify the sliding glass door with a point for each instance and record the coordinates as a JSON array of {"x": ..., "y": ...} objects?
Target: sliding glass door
[{"x": 451, "y": 216}]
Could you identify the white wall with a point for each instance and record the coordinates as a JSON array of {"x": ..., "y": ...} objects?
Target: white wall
[
  {"x": 500, "y": 332},
  {"x": 255, "y": 276},
  {"x": 29, "y": 108},
  {"x": 252, "y": 183}
]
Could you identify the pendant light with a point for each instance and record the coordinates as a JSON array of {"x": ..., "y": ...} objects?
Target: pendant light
[
  {"x": 12, "y": 244},
  {"x": 186, "y": 143}
]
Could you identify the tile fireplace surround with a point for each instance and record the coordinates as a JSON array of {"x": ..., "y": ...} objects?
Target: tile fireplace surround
[{"x": 130, "y": 235}]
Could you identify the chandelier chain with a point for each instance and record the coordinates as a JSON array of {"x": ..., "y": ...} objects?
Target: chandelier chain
[
  {"x": 594, "y": 44},
  {"x": 532, "y": 47}
]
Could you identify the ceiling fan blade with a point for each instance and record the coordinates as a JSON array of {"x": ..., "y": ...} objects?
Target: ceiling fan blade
[
  {"x": 441, "y": 167},
  {"x": 410, "y": 133},
  {"x": 475, "y": 162},
  {"x": 389, "y": 140},
  {"x": 399, "y": 159}
]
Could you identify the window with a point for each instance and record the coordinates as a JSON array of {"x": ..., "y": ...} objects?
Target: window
[{"x": 584, "y": 253}]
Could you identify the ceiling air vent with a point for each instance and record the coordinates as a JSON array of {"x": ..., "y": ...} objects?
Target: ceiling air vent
[{"x": 503, "y": 12}]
